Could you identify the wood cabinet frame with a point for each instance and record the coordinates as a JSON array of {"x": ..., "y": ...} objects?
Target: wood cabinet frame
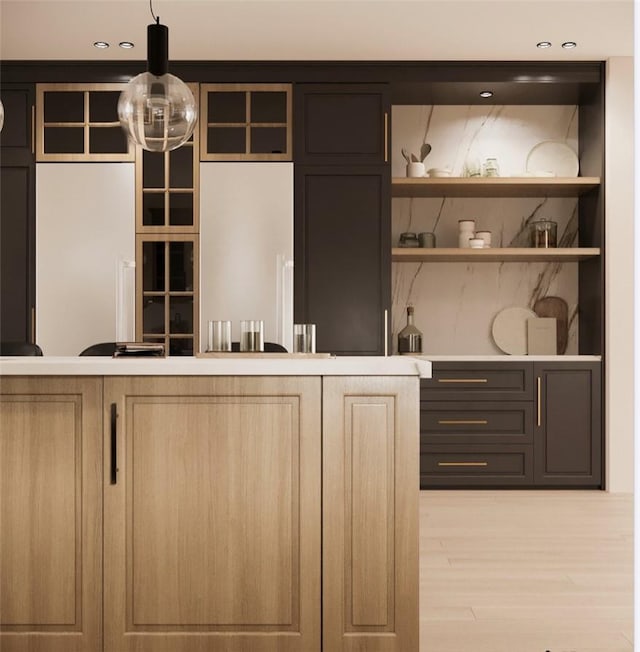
[
  {"x": 86, "y": 89},
  {"x": 247, "y": 155}
]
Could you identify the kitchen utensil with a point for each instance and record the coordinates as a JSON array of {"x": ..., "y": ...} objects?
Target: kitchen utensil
[
  {"x": 415, "y": 170},
  {"x": 542, "y": 336},
  {"x": 490, "y": 167},
  {"x": 252, "y": 335},
  {"x": 439, "y": 172},
  {"x": 427, "y": 240},
  {"x": 304, "y": 338},
  {"x": 557, "y": 308},
  {"x": 424, "y": 151},
  {"x": 485, "y": 236},
  {"x": 406, "y": 155},
  {"x": 544, "y": 234},
  {"x": 465, "y": 232},
  {"x": 408, "y": 239},
  {"x": 414, "y": 159},
  {"x": 219, "y": 336},
  {"x": 553, "y": 156},
  {"x": 509, "y": 330}
]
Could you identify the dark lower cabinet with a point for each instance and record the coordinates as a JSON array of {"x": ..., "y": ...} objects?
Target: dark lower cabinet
[
  {"x": 17, "y": 215},
  {"x": 568, "y": 432},
  {"x": 511, "y": 424},
  {"x": 342, "y": 256}
]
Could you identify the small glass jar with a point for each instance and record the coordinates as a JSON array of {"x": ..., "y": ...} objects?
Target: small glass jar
[
  {"x": 409, "y": 239},
  {"x": 491, "y": 168},
  {"x": 427, "y": 239},
  {"x": 544, "y": 234}
]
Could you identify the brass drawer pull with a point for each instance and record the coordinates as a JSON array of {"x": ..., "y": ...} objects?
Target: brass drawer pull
[
  {"x": 463, "y": 380},
  {"x": 463, "y": 463},
  {"x": 539, "y": 401},
  {"x": 463, "y": 422}
]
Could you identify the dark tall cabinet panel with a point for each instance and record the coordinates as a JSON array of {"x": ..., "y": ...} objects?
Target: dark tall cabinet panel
[
  {"x": 343, "y": 124},
  {"x": 568, "y": 433},
  {"x": 17, "y": 215},
  {"x": 342, "y": 256}
]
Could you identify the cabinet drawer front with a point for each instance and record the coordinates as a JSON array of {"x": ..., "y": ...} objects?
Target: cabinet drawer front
[
  {"x": 449, "y": 422},
  {"x": 486, "y": 381},
  {"x": 476, "y": 465}
]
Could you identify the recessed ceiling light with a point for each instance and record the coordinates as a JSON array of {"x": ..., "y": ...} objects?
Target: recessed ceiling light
[
  {"x": 567, "y": 45},
  {"x": 486, "y": 94},
  {"x": 127, "y": 45},
  {"x": 102, "y": 45},
  {"x": 543, "y": 44}
]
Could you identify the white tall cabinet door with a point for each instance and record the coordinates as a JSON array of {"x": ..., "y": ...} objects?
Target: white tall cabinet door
[
  {"x": 85, "y": 229},
  {"x": 246, "y": 247}
]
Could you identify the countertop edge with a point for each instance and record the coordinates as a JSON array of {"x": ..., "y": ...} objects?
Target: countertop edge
[{"x": 106, "y": 366}]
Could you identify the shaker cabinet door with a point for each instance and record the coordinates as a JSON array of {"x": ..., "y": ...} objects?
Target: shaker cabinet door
[
  {"x": 370, "y": 514},
  {"x": 341, "y": 124},
  {"x": 212, "y": 518},
  {"x": 50, "y": 514},
  {"x": 17, "y": 215},
  {"x": 342, "y": 256},
  {"x": 568, "y": 430}
]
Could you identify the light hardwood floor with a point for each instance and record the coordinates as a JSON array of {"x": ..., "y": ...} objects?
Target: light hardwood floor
[{"x": 526, "y": 571}]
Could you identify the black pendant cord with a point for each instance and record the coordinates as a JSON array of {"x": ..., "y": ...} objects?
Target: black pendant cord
[
  {"x": 157, "y": 19},
  {"x": 157, "y": 46}
]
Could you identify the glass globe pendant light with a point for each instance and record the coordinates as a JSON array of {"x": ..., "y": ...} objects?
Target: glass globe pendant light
[{"x": 156, "y": 109}]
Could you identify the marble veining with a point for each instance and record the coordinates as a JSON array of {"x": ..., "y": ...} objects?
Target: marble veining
[{"x": 455, "y": 303}]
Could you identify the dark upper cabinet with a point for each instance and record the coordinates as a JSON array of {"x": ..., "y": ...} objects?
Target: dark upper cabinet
[
  {"x": 568, "y": 432},
  {"x": 342, "y": 256},
  {"x": 17, "y": 215},
  {"x": 342, "y": 124}
]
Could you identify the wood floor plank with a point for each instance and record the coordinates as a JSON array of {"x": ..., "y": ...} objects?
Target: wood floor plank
[{"x": 526, "y": 571}]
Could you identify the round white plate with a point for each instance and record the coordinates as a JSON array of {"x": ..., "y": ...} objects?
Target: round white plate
[
  {"x": 553, "y": 156},
  {"x": 509, "y": 330}
]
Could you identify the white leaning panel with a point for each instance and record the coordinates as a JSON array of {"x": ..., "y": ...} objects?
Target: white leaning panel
[
  {"x": 246, "y": 235},
  {"x": 85, "y": 226}
]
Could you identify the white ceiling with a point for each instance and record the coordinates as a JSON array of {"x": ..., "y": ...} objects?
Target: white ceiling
[{"x": 418, "y": 30}]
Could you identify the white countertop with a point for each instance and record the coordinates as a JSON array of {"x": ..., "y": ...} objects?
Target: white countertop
[
  {"x": 231, "y": 366},
  {"x": 511, "y": 358}
]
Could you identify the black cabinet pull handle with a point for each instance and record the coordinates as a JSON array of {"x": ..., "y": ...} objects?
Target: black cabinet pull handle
[{"x": 114, "y": 444}]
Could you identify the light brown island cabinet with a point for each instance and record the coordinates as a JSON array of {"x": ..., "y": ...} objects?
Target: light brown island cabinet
[
  {"x": 212, "y": 529},
  {"x": 370, "y": 514},
  {"x": 241, "y": 514},
  {"x": 50, "y": 514}
]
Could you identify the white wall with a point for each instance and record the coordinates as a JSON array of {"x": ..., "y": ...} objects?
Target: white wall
[{"x": 619, "y": 199}]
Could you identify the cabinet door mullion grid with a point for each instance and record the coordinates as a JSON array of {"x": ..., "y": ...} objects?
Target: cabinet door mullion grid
[
  {"x": 167, "y": 293},
  {"x": 86, "y": 125},
  {"x": 248, "y": 123}
]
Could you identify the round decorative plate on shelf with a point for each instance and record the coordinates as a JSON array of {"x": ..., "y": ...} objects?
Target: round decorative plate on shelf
[
  {"x": 509, "y": 330},
  {"x": 553, "y": 156}
]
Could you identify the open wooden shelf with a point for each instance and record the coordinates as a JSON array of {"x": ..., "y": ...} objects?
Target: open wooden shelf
[
  {"x": 493, "y": 186},
  {"x": 495, "y": 255}
]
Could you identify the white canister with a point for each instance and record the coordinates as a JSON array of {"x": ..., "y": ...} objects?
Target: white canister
[
  {"x": 415, "y": 170},
  {"x": 485, "y": 236},
  {"x": 465, "y": 232},
  {"x": 476, "y": 243}
]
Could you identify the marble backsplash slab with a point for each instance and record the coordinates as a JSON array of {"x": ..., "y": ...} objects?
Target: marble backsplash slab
[{"x": 455, "y": 303}]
